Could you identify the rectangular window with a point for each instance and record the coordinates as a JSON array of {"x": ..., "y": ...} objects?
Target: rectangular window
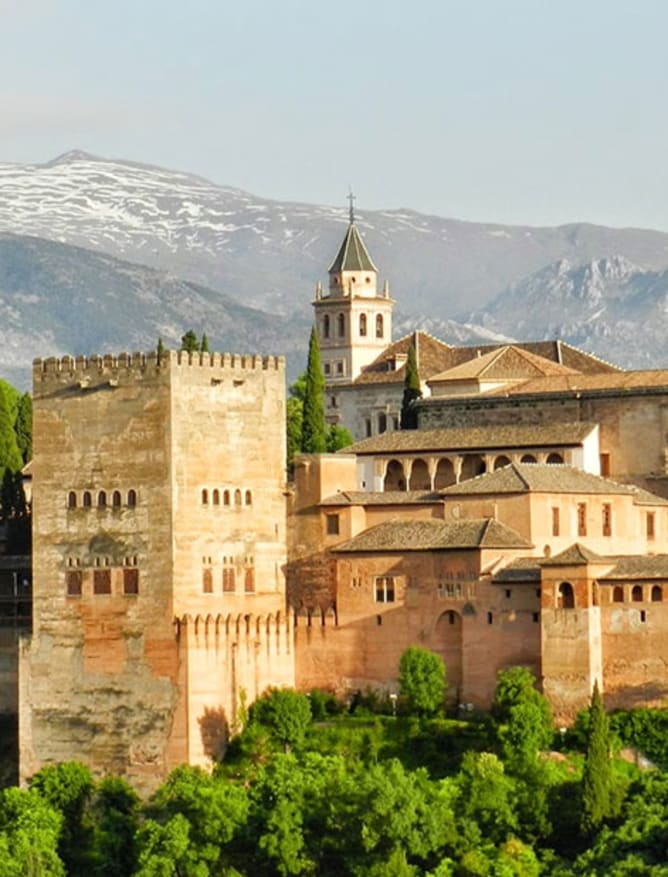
[
  {"x": 102, "y": 581},
  {"x": 249, "y": 579},
  {"x": 339, "y": 368},
  {"x": 131, "y": 580},
  {"x": 605, "y": 465},
  {"x": 385, "y": 589},
  {"x": 582, "y": 519},
  {"x": 649, "y": 523},
  {"x": 229, "y": 584},
  {"x": 73, "y": 580},
  {"x": 207, "y": 581},
  {"x": 327, "y": 368},
  {"x": 555, "y": 521},
  {"x": 332, "y": 525},
  {"x": 607, "y": 519}
]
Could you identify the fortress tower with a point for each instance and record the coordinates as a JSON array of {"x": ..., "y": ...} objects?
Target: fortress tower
[
  {"x": 353, "y": 320},
  {"x": 159, "y": 554}
]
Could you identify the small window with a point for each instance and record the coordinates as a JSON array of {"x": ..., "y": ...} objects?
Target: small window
[
  {"x": 73, "y": 580},
  {"x": 71, "y": 500},
  {"x": 636, "y": 594},
  {"x": 379, "y": 326},
  {"x": 618, "y": 594},
  {"x": 395, "y": 422},
  {"x": 226, "y": 497},
  {"x": 131, "y": 580},
  {"x": 384, "y": 589},
  {"x": 342, "y": 325},
  {"x": 339, "y": 368},
  {"x": 237, "y": 497},
  {"x": 379, "y": 620},
  {"x": 607, "y": 519},
  {"x": 216, "y": 496},
  {"x": 657, "y": 594},
  {"x": 650, "y": 521},
  {"x": 382, "y": 422},
  {"x": 325, "y": 326},
  {"x": 102, "y": 581},
  {"x": 132, "y": 498},
  {"x": 102, "y": 500},
  {"x": 116, "y": 499},
  {"x": 327, "y": 368},
  {"x": 249, "y": 498},
  {"x": 229, "y": 585},
  {"x": 643, "y": 616},
  {"x": 509, "y": 593},
  {"x": 205, "y": 497},
  {"x": 582, "y": 518},
  {"x": 605, "y": 464},
  {"x": 207, "y": 581},
  {"x": 536, "y": 617},
  {"x": 249, "y": 579},
  {"x": 87, "y": 499},
  {"x": 332, "y": 525},
  {"x": 490, "y": 618},
  {"x": 362, "y": 325},
  {"x": 367, "y": 427}
]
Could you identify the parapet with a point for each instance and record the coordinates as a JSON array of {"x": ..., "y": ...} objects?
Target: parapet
[{"x": 97, "y": 368}]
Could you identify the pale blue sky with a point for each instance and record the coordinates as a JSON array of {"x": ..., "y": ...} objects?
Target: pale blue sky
[{"x": 526, "y": 111}]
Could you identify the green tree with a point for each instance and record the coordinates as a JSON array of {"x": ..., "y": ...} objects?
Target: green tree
[
  {"x": 294, "y": 411},
  {"x": 23, "y": 427},
  {"x": 10, "y": 455},
  {"x": 338, "y": 437},
  {"x": 189, "y": 342},
  {"x": 286, "y": 713},
  {"x": 486, "y": 798},
  {"x": 115, "y": 816},
  {"x": 160, "y": 350},
  {"x": 29, "y": 832},
  {"x": 412, "y": 391},
  {"x": 204, "y": 344},
  {"x": 422, "y": 680},
  {"x": 314, "y": 434},
  {"x": 597, "y": 792}
]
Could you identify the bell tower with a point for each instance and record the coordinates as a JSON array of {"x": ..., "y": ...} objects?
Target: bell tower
[{"x": 353, "y": 320}]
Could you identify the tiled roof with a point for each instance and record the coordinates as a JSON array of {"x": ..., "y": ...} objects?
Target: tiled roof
[
  {"x": 575, "y": 555},
  {"x": 505, "y": 363},
  {"x": 588, "y": 383},
  {"x": 519, "y": 435},
  {"x": 652, "y": 566},
  {"x": 543, "y": 478},
  {"x": 435, "y": 356},
  {"x": 402, "y": 535},
  {"x": 353, "y": 254},
  {"x": 388, "y": 497},
  {"x": 523, "y": 570}
]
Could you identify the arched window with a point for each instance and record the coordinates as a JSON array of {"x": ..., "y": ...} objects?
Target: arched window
[
  {"x": 132, "y": 498},
  {"x": 249, "y": 498},
  {"x": 226, "y": 497},
  {"x": 205, "y": 497},
  {"x": 382, "y": 422},
  {"x": 101, "y": 499},
  {"x": 554, "y": 458},
  {"x": 618, "y": 594},
  {"x": 501, "y": 461},
  {"x": 87, "y": 499},
  {"x": 565, "y": 596},
  {"x": 116, "y": 499},
  {"x": 216, "y": 496},
  {"x": 636, "y": 594},
  {"x": 528, "y": 458},
  {"x": 237, "y": 497},
  {"x": 325, "y": 326},
  {"x": 71, "y": 500},
  {"x": 367, "y": 426},
  {"x": 379, "y": 325},
  {"x": 362, "y": 325},
  {"x": 342, "y": 325},
  {"x": 657, "y": 594}
]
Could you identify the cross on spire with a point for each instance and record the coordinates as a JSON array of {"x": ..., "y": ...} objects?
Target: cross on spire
[{"x": 351, "y": 199}]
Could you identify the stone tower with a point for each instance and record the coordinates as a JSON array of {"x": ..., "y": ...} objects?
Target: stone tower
[
  {"x": 353, "y": 320},
  {"x": 159, "y": 554}
]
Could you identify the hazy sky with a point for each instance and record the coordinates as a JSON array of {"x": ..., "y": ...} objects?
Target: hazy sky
[{"x": 526, "y": 111}]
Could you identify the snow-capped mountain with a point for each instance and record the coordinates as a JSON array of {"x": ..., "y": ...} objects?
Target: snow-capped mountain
[{"x": 608, "y": 305}]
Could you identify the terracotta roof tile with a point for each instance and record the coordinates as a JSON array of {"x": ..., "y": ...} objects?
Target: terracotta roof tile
[
  {"x": 402, "y": 535},
  {"x": 653, "y": 566},
  {"x": 520, "y": 435},
  {"x": 506, "y": 363},
  {"x": 388, "y": 497},
  {"x": 576, "y": 555},
  {"x": 587, "y": 383}
]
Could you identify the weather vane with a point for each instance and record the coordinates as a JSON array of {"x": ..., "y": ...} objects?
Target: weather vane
[{"x": 351, "y": 199}]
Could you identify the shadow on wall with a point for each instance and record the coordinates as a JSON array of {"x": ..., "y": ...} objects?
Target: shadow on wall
[{"x": 215, "y": 732}]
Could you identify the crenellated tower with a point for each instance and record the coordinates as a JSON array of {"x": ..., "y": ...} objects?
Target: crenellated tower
[{"x": 353, "y": 319}]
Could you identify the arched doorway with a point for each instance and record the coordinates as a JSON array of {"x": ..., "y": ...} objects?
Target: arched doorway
[
  {"x": 472, "y": 465},
  {"x": 565, "y": 596},
  {"x": 448, "y": 644},
  {"x": 395, "y": 479},
  {"x": 420, "y": 479},
  {"x": 445, "y": 474}
]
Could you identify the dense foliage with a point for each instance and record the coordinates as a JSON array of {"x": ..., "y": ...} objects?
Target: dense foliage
[{"x": 313, "y": 786}]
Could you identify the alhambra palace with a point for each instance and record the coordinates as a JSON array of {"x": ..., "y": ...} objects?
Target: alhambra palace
[{"x": 176, "y": 574}]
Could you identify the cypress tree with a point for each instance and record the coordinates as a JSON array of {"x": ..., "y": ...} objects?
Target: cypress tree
[
  {"x": 314, "y": 432},
  {"x": 412, "y": 391},
  {"x": 597, "y": 773},
  {"x": 23, "y": 426},
  {"x": 204, "y": 346},
  {"x": 160, "y": 350}
]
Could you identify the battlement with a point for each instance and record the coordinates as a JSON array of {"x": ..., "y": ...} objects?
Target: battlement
[{"x": 84, "y": 369}]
